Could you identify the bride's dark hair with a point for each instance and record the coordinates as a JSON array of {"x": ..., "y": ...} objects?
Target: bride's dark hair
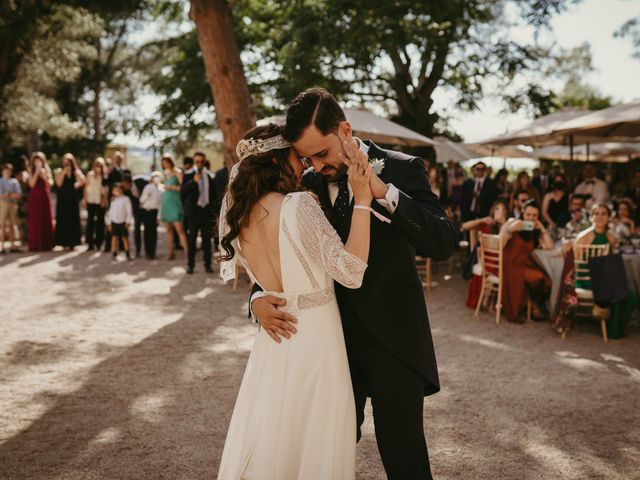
[{"x": 257, "y": 175}]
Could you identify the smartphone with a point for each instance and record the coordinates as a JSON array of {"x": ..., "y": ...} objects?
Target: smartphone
[{"x": 527, "y": 226}]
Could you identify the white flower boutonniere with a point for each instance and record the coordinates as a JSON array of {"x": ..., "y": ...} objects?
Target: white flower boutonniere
[{"x": 377, "y": 164}]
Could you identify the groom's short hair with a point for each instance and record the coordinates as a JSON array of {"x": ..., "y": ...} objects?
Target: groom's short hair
[{"x": 313, "y": 106}]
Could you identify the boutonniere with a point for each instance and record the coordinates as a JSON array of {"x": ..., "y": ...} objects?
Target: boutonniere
[{"x": 377, "y": 164}]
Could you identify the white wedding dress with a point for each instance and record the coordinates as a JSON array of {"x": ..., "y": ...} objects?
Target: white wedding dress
[{"x": 294, "y": 417}]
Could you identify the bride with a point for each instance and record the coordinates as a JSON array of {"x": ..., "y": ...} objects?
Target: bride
[{"x": 294, "y": 417}]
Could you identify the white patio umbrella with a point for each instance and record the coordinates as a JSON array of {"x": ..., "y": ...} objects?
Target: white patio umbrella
[
  {"x": 380, "y": 130},
  {"x": 448, "y": 150},
  {"x": 604, "y": 152},
  {"x": 619, "y": 122},
  {"x": 502, "y": 151},
  {"x": 540, "y": 131}
]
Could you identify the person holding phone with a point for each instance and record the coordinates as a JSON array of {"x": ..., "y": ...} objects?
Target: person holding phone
[{"x": 521, "y": 237}]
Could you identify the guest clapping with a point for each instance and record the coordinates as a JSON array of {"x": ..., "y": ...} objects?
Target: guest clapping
[
  {"x": 39, "y": 205},
  {"x": 579, "y": 218},
  {"x": 623, "y": 223},
  {"x": 69, "y": 179}
]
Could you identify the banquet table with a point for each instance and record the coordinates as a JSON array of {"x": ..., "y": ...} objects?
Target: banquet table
[{"x": 552, "y": 262}]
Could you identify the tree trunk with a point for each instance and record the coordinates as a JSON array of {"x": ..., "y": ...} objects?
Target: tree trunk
[
  {"x": 214, "y": 24},
  {"x": 97, "y": 118}
]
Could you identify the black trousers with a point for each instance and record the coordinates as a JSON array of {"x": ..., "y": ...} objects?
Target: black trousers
[
  {"x": 94, "y": 235},
  {"x": 150, "y": 221},
  {"x": 137, "y": 228},
  {"x": 201, "y": 220},
  {"x": 397, "y": 398}
]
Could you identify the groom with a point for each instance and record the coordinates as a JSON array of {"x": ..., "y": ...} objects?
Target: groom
[{"x": 385, "y": 322}]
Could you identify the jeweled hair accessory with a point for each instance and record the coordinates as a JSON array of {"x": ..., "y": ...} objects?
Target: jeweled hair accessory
[{"x": 254, "y": 146}]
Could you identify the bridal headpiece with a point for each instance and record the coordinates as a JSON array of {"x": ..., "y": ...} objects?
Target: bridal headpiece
[
  {"x": 244, "y": 149},
  {"x": 254, "y": 146}
]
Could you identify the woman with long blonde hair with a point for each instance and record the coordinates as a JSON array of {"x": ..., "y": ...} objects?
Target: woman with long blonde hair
[
  {"x": 39, "y": 204},
  {"x": 95, "y": 197}
]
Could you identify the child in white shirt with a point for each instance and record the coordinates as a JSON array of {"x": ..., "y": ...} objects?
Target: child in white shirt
[{"x": 119, "y": 218}]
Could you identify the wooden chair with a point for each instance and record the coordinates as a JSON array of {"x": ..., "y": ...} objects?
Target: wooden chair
[
  {"x": 581, "y": 256},
  {"x": 423, "y": 266},
  {"x": 490, "y": 257}
]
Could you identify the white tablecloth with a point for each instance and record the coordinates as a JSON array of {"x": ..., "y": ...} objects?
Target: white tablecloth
[{"x": 552, "y": 262}]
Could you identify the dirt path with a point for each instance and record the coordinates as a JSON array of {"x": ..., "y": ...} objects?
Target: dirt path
[{"x": 130, "y": 371}]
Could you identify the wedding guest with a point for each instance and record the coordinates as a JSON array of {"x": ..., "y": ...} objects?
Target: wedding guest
[
  {"x": 188, "y": 173},
  {"x": 490, "y": 225},
  {"x": 95, "y": 197},
  {"x": 119, "y": 218},
  {"x": 434, "y": 182},
  {"x": 115, "y": 174},
  {"x": 150, "y": 204},
  {"x": 39, "y": 206},
  {"x": 633, "y": 193},
  {"x": 522, "y": 184},
  {"x": 172, "y": 212},
  {"x": 478, "y": 194},
  {"x": 600, "y": 234},
  {"x": 22, "y": 175},
  {"x": 200, "y": 200},
  {"x": 593, "y": 189},
  {"x": 455, "y": 197},
  {"x": 138, "y": 183},
  {"x": 10, "y": 194},
  {"x": 579, "y": 218},
  {"x": 129, "y": 189},
  {"x": 504, "y": 187},
  {"x": 69, "y": 180},
  {"x": 521, "y": 273},
  {"x": 542, "y": 181},
  {"x": 521, "y": 198},
  {"x": 555, "y": 205},
  {"x": 623, "y": 224}
]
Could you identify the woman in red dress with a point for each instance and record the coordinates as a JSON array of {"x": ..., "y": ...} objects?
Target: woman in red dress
[
  {"x": 39, "y": 205},
  {"x": 520, "y": 270}
]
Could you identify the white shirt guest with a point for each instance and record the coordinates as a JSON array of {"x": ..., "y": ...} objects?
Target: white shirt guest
[
  {"x": 594, "y": 189},
  {"x": 151, "y": 198},
  {"x": 120, "y": 211}
]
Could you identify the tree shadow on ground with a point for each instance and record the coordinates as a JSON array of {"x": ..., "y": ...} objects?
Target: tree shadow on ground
[{"x": 151, "y": 411}]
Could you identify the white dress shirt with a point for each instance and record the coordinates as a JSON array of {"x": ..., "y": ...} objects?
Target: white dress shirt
[
  {"x": 120, "y": 210},
  {"x": 151, "y": 198},
  {"x": 390, "y": 202},
  {"x": 596, "y": 188}
]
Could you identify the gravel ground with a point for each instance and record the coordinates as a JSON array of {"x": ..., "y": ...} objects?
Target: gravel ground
[{"x": 117, "y": 370}]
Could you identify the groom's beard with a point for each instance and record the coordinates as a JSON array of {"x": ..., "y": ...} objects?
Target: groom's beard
[{"x": 333, "y": 174}]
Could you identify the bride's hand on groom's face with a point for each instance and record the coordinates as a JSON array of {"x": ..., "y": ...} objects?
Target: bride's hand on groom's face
[
  {"x": 275, "y": 322},
  {"x": 353, "y": 155},
  {"x": 359, "y": 172}
]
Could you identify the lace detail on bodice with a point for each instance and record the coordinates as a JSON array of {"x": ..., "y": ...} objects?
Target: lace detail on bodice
[{"x": 323, "y": 244}]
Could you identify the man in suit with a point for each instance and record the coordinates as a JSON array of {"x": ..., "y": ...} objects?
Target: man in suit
[
  {"x": 200, "y": 197},
  {"x": 385, "y": 322},
  {"x": 478, "y": 194},
  {"x": 542, "y": 181}
]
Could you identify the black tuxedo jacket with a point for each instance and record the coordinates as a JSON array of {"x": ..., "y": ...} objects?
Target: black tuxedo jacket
[
  {"x": 488, "y": 195},
  {"x": 390, "y": 303},
  {"x": 191, "y": 191}
]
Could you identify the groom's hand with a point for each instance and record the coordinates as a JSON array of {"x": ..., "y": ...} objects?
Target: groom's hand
[{"x": 276, "y": 323}]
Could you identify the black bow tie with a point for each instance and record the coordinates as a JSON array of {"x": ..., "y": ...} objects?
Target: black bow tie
[{"x": 590, "y": 182}]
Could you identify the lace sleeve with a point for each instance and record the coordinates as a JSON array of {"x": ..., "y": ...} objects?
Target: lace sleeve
[{"x": 324, "y": 246}]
